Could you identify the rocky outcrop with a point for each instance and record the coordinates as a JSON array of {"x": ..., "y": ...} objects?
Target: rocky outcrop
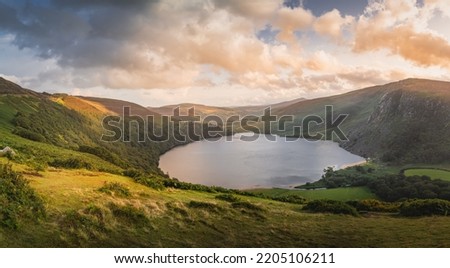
[{"x": 405, "y": 125}]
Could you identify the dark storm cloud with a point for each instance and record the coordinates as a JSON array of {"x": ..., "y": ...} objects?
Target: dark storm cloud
[
  {"x": 172, "y": 43},
  {"x": 8, "y": 17},
  {"x": 348, "y": 7},
  {"x": 77, "y": 33},
  {"x": 292, "y": 3},
  {"x": 80, "y": 4}
]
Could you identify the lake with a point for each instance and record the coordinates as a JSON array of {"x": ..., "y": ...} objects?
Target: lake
[{"x": 261, "y": 163}]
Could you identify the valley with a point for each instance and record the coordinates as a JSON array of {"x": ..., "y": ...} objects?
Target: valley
[{"x": 64, "y": 187}]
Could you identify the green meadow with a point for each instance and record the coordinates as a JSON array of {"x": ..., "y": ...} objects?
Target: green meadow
[
  {"x": 95, "y": 209},
  {"x": 432, "y": 173}
]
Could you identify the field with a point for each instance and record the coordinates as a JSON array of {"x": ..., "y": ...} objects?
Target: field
[
  {"x": 341, "y": 194},
  {"x": 432, "y": 173},
  {"x": 99, "y": 208},
  {"x": 79, "y": 215}
]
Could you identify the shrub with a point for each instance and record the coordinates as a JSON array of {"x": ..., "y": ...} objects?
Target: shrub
[
  {"x": 330, "y": 206},
  {"x": 228, "y": 198},
  {"x": 115, "y": 188},
  {"x": 426, "y": 207},
  {"x": 204, "y": 205},
  {"x": 129, "y": 215},
  {"x": 152, "y": 182},
  {"x": 396, "y": 187},
  {"x": 374, "y": 205},
  {"x": 18, "y": 201},
  {"x": 27, "y": 134},
  {"x": 247, "y": 205},
  {"x": 132, "y": 173},
  {"x": 95, "y": 211},
  {"x": 71, "y": 163},
  {"x": 73, "y": 219},
  {"x": 294, "y": 199}
]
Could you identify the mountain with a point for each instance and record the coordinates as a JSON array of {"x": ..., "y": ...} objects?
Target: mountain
[
  {"x": 8, "y": 87},
  {"x": 400, "y": 122},
  {"x": 65, "y": 187},
  {"x": 223, "y": 112},
  {"x": 67, "y": 131}
]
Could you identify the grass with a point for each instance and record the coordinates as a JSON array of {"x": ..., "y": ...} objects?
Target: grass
[
  {"x": 432, "y": 173},
  {"x": 81, "y": 216},
  {"x": 340, "y": 194}
]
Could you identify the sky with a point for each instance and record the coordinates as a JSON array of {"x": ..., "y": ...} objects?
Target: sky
[{"x": 217, "y": 52}]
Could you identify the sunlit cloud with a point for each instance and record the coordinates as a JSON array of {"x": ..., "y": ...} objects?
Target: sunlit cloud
[{"x": 221, "y": 46}]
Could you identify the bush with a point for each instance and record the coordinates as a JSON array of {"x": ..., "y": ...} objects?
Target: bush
[
  {"x": 395, "y": 187},
  {"x": 374, "y": 205},
  {"x": 30, "y": 135},
  {"x": 18, "y": 201},
  {"x": 228, "y": 198},
  {"x": 129, "y": 215},
  {"x": 132, "y": 173},
  {"x": 73, "y": 219},
  {"x": 152, "y": 182},
  {"x": 247, "y": 205},
  {"x": 427, "y": 207},
  {"x": 294, "y": 199},
  {"x": 71, "y": 163},
  {"x": 115, "y": 188},
  {"x": 204, "y": 205},
  {"x": 330, "y": 206}
]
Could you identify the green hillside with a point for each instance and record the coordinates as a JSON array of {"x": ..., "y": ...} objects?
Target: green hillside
[
  {"x": 64, "y": 187},
  {"x": 399, "y": 123},
  {"x": 94, "y": 209},
  {"x": 33, "y": 122}
]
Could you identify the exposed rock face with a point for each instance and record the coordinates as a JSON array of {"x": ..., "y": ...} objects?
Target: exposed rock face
[
  {"x": 7, "y": 150},
  {"x": 406, "y": 125}
]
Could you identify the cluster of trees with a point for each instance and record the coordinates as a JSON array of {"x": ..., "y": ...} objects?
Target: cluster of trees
[
  {"x": 353, "y": 176},
  {"x": 427, "y": 207},
  {"x": 397, "y": 187},
  {"x": 408, "y": 208},
  {"x": 389, "y": 187},
  {"x": 330, "y": 206}
]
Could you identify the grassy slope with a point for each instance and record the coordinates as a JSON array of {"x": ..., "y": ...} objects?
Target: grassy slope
[
  {"x": 432, "y": 173},
  {"x": 402, "y": 122},
  {"x": 80, "y": 215},
  {"x": 37, "y": 153},
  {"x": 171, "y": 222}
]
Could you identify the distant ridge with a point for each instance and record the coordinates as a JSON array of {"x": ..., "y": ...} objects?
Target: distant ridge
[{"x": 8, "y": 87}]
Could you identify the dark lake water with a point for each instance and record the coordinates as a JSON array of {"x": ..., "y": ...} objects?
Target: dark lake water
[{"x": 257, "y": 164}]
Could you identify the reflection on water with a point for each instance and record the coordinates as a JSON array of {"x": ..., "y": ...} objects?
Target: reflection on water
[{"x": 258, "y": 164}]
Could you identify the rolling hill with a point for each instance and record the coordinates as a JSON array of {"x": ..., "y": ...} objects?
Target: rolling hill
[
  {"x": 401, "y": 122},
  {"x": 65, "y": 187}
]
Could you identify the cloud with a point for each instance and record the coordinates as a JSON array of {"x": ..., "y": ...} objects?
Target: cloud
[
  {"x": 332, "y": 24},
  {"x": 257, "y": 10},
  {"x": 323, "y": 61},
  {"x": 424, "y": 49},
  {"x": 397, "y": 26},
  {"x": 290, "y": 20},
  {"x": 140, "y": 44}
]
